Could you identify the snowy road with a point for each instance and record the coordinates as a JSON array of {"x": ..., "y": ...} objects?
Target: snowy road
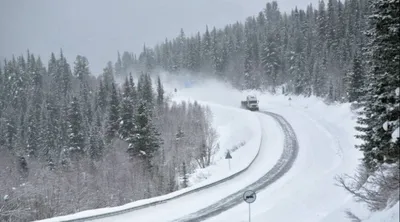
[
  {"x": 284, "y": 163},
  {"x": 277, "y": 153}
]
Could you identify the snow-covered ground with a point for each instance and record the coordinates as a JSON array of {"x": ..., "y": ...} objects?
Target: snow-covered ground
[
  {"x": 239, "y": 131},
  {"x": 306, "y": 193},
  {"x": 271, "y": 149}
]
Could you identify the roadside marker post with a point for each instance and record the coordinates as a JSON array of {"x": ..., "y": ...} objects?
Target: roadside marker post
[
  {"x": 228, "y": 157},
  {"x": 249, "y": 196}
]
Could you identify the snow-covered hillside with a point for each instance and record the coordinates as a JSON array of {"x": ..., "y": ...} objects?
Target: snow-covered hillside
[
  {"x": 326, "y": 137},
  {"x": 239, "y": 132},
  {"x": 306, "y": 193}
]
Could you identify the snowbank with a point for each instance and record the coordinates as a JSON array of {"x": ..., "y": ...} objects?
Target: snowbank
[
  {"x": 239, "y": 131},
  {"x": 327, "y": 149},
  {"x": 389, "y": 215}
]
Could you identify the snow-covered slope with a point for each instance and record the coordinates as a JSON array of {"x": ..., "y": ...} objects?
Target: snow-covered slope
[
  {"x": 239, "y": 131},
  {"x": 326, "y": 139},
  {"x": 307, "y": 192},
  {"x": 271, "y": 149}
]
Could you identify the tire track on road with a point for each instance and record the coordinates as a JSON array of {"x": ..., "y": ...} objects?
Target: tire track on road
[{"x": 285, "y": 162}]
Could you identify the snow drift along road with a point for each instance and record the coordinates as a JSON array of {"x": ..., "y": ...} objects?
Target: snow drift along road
[
  {"x": 234, "y": 126},
  {"x": 277, "y": 139},
  {"x": 279, "y": 169}
]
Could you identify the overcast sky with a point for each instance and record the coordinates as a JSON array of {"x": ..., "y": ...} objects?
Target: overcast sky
[{"x": 97, "y": 29}]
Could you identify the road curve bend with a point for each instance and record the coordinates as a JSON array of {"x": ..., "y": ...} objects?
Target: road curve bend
[
  {"x": 282, "y": 166},
  {"x": 288, "y": 143}
]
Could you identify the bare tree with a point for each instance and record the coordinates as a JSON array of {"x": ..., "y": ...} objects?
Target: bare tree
[{"x": 379, "y": 189}]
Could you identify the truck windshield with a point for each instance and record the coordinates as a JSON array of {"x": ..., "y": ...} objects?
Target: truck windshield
[{"x": 252, "y": 102}]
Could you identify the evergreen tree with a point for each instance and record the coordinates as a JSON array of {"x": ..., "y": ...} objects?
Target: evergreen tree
[
  {"x": 381, "y": 112},
  {"x": 147, "y": 139},
  {"x": 113, "y": 115},
  {"x": 81, "y": 69},
  {"x": 33, "y": 136},
  {"x": 108, "y": 77},
  {"x": 270, "y": 61},
  {"x": 101, "y": 97},
  {"x": 76, "y": 142},
  {"x": 96, "y": 145},
  {"x": 64, "y": 73},
  {"x": 133, "y": 88},
  {"x": 356, "y": 80},
  {"x": 160, "y": 92},
  {"x": 127, "y": 127},
  {"x": 146, "y": 90}
]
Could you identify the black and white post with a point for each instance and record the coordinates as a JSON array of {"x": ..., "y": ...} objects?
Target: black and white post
[
  {"x": 228, "y": 157},
  {"x": 249, "y": 196}
]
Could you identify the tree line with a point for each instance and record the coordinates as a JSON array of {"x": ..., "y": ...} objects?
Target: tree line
[
  {"x": 316, "y": 51},
  {"x": 70, "y": 141},
  {"x": 341, "y": 51}
]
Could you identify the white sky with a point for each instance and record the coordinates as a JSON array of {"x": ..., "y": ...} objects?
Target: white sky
[{"x": 97, "y": 29}]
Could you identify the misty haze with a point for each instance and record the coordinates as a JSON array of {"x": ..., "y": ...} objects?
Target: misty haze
[{"x": 207, "y": 110}]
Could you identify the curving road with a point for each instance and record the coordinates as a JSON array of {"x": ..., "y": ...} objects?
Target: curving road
[
  {"x": 283, "y": 165},
  {"x": 278, "y": 151}
]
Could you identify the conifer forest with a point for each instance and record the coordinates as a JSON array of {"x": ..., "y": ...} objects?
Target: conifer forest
[{"x": 73, "y": 140}]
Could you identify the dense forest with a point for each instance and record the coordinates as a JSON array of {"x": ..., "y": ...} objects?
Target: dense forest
[
  {"x": 70, "y": 141},
  {"x": 376, "y": 91},
  {"x": 341, "y": 51},
  {"x": 317, "y": 51}
]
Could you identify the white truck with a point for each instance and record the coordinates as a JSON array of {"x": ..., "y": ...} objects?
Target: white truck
[{"x": 251, "y": 103}]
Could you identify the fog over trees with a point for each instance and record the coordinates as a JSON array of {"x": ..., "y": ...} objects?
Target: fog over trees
[{"x": 72, "y": 141}]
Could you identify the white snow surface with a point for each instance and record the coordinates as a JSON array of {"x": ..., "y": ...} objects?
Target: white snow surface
[
  {"x": 235, "y": 127},
  {"x": 306, "y": 193}
]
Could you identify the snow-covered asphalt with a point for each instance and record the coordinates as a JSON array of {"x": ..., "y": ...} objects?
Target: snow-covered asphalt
[
  {"x": 284, "y": 163},
  {"x": 277, "y": 152}
]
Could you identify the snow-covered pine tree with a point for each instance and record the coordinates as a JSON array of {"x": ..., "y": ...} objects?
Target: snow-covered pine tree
[
  {"x": 113, "y": 115},
  {"x": 182, "y": 50},
  {"x": 96, "y": 145},
  {"x": 33, "y": 133},
  {"x": 147, "y": 91},
  {"x": 160, "y": 92},
  {"x": 270, "y": 62},
  {"x": 381, "y": 112},
  {"x": 101, "y": 97},
  {"x": 126, "y": 125},
  {"x": 65, "y": 75},
  {"x": 356, "y": 80},
  {"x": 206, "y": 52},
  {"x": 108, "y": 77},
  {"x": 147, "y": 139},
  {"x": 81, "y": 68},
  {"x": 76, "y": 139},
  {"x": 133, "y": 88}
]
